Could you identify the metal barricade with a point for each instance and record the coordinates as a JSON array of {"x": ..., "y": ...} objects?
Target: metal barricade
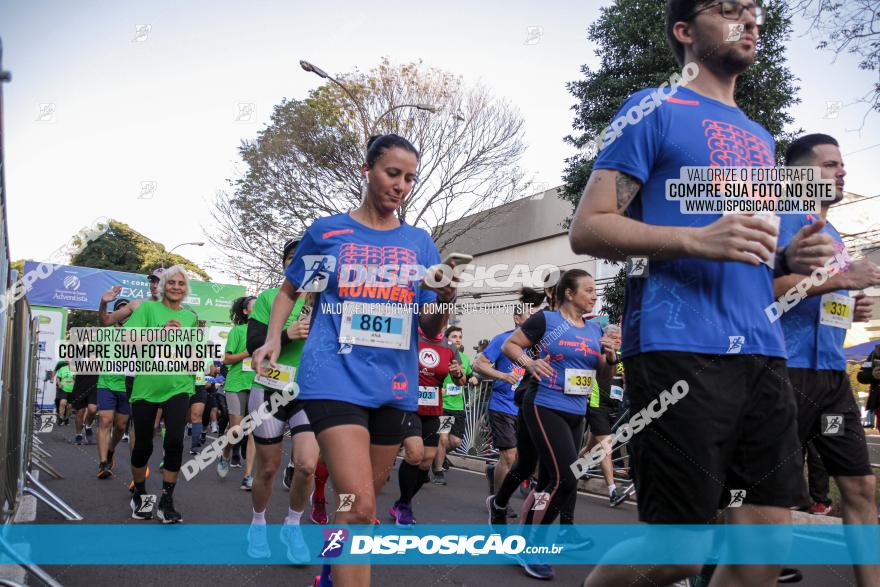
[
  {"x": 18, "y": 363},
  {"x": 17, "y": 429},
  {"x": 17, "y": 397},
  {"x": 9, "y": 427},
  {"x": 28, "y": 482},
  {"x": 477, "y": 439}
]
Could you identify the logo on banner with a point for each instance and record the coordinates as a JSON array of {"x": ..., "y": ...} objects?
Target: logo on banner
[
  {"x": 334, "y": 540},
  {"x": 71, "y": 282}
]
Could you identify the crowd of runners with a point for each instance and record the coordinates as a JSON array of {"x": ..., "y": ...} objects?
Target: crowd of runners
[{"x": 376, "y": 384}]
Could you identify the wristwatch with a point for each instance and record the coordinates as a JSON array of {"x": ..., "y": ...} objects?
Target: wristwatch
[{"x": 780, "y": 265}]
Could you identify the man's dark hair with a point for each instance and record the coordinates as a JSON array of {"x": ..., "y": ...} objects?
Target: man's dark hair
[
  {"x": 377, "y": 145},
  {"x": 679, "y": 10},
  {"x": 450, "y": 330},
  {"x": 801, "y": 149}
]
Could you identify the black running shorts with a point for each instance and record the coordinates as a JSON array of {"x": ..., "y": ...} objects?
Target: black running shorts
[
  {"x": 732, "y": 438},
  {"x": 829, "y": 417},
  {"x": 385, "y": 423}
]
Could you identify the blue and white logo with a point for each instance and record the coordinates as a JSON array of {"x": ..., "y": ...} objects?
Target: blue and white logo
[
  {"x": 736, "y": 344},
  {"x": 317, "y": 273},
  {"x": 71, "y": 282},
  {"x": 334, "y": 542}
]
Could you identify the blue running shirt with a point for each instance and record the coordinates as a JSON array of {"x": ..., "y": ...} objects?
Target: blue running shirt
[
  {"x": 502, "y": 392},
  {"x": 692, "y": 305},
  {"x": 573, "y": 353},
  {"x": 375, "y": 268},
  {"x": 811, "y": 344}
]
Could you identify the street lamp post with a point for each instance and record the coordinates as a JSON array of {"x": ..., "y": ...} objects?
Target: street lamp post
[
  {"x": 197, "y": 244},
  {"x": 365, "y": 122}
]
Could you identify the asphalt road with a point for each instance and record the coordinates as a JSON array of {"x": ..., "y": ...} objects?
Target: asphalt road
[{"x": 206, "y": 499}]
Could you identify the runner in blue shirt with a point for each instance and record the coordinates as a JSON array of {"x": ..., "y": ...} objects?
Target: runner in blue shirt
[
  {"x": 697, "y": 318},
  {"x": 502, "y": 411},
  {"x": 359, "y": 368},
  {"x": 572, "y": 355},
  {"x": 814, "y": 331}
]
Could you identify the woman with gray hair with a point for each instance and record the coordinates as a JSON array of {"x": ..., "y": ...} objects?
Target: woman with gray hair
[{"x": 151, "y": 392}]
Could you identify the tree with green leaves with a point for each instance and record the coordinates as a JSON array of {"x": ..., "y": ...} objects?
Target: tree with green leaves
[
  {"x": 612, "y": 296},
  {"x": 630, "y": 37},
  {"x": 122, "y": 248},
  {"x": 306, "y": 163}
]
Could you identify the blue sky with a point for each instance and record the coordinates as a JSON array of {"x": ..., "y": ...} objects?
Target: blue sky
[{"x": 163, "y": 108}]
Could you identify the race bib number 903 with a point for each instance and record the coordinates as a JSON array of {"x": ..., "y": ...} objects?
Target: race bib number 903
[{"x": 429, "y": 396}]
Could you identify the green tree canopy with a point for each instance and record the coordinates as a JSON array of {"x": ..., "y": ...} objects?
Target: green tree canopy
[{"x": 122, "y": 248}]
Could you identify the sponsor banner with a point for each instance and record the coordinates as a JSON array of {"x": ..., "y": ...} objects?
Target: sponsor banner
[
  {"x": 81, "y": 288},
  {"x": 449, "y": 544},
  {"x": 53, "y": 322},
  {"x": 218, "y": 333}
]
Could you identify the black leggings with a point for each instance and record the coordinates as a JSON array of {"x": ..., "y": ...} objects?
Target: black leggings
[
  {"x": 175, "y": 411},
  {"x": 526, "y": 459},
  {"x": 557, "y": 436},
  {"x": 217, "y": 400}
]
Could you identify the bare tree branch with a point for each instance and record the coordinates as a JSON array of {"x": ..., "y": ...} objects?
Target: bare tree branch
[
  {"x": 306, "y": 163},
  {"x": 850, "y": 26}
]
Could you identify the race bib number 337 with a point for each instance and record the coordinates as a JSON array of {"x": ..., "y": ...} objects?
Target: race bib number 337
[{"x": 836, "y": 310}]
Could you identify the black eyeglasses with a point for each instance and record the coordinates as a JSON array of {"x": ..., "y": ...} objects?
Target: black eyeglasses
[{"x": 733, "y": 11}]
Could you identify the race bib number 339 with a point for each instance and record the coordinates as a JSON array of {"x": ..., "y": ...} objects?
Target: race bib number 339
[{"x": 579, "y": 381}]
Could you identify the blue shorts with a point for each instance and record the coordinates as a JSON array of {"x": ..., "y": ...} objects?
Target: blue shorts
[{"x": 116, "y": 401}]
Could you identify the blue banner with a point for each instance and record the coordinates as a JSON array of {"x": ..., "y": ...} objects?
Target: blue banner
[
  {"x": 81, "y": 288},
  {"x": 149, "y": 543}
]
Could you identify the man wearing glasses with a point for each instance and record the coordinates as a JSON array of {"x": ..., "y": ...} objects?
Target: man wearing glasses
[{"x": 697, "y": 315}]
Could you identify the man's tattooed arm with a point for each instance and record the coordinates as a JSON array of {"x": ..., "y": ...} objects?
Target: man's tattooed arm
[{"x": 627, "y": 187}]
